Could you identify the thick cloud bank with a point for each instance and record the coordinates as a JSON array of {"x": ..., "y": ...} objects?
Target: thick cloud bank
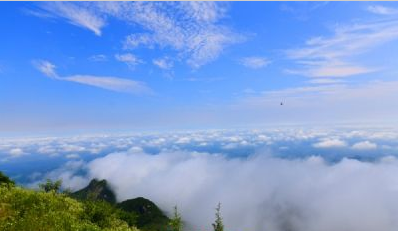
[
  {"x": 351, "y": 184},
  {"x": 260, "y": 193}
]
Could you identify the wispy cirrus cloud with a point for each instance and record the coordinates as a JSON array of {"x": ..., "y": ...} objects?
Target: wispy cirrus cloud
[
  {"x": 105, "y": 82},
  {"x": 163, "y": 63},
  {"x": 129, "y": 59},
  {"x": 333, "y": 56},
  {"x": 82, "y": 15},
  {"x": 325, "y": 81},
  {"x": 192, "y": 30},
  {"x": 383, "y": 10},
  {"x": 111, "y": 83},
  {"x": 204, "y": 11},
  {"x": 46, "y": 68},
  {"x": 98, "y": 58},
  {"x": 183, "y": 27},
  {"x": 254, "y": 62},
  {"x": 302, "y": 10}
]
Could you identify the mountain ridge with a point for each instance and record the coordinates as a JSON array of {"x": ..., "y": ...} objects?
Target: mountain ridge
[{"x": 148, "y": 215}]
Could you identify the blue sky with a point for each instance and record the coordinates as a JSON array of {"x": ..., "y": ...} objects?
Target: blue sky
[{"x": 108, "y": 66}]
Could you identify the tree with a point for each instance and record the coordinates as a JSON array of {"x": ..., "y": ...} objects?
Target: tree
[
  {"x": 218, "y": 224},
  {"x": 51, "y": 186},
  {"x": 6, "y": 180},
  {"x": 176, "y": 222}
]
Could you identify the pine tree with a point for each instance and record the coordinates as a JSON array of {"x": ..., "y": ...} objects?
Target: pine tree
[
  {"x": 176, "y": 222},
  {"x": 218, "y": 224}
]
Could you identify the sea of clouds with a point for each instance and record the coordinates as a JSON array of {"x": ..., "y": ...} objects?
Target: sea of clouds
[{"x": 276, "y": 179}]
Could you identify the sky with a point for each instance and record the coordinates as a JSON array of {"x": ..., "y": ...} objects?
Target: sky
[
  {"x": 180, "y": 102},
  {"x": 96, "y": 66}
]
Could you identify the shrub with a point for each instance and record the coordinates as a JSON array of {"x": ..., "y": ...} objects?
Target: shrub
[
  {"x": 6, "y": 180},
  {"x": 51, "y": 185},
  {"x": 29, "y": 210}
]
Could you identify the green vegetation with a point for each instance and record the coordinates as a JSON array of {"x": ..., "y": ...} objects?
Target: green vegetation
[
  {"x": 24, "y": 209},
  {"x": 218, "y": 224},
  {"x": 5, "y": 180},
  {"x": 96, "y": 190},
  {"x": 92, "y": 208},
  {"x": 51, "y": 185},
  {"x": 149, "y": 216},
  {"x": 176, "y": 221}
]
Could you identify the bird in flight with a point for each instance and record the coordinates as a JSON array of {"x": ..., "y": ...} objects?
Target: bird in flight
[{"x": 281, "y": 103}]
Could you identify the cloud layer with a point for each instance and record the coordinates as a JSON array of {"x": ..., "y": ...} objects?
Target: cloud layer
[
  {"x": 277, "y": 179},
  {"x": 260, "y": 192}
]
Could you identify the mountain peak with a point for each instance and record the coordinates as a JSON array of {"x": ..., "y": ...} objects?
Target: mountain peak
[
  {"x": 150, "y": 217},
  {"x": 96, "y": 190}
]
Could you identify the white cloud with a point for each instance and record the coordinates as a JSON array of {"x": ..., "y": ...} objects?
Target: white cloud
[
  {"x": 364, "y": 145},
  {"x": 257, "y": 193},
  {"x": 330, "y": 143},
  {"x": 46, "y": 68},
  {"x": 180, "y": 26},
  {"x": 254, "y": 62},
  {"x": 383, "y": 10},
  {"x": 332, "y": 57},
  {"x": 302, "y": 10},
  {"x": 204, "y": 11},
  {"x": 81, "y": 15},
  {"x": 16, "y": 152},
  {"x": 135, "y": 149},
  {"x": 163, "y": 63},
  {"x": 325, "y": 81},
  {"x": 135, "y": 40},
  {"x": 66, "y": 174},
  {"x": 129, "y": 59},
  {"x": 72, "y": 156},
  {"x": 98, "y": 58},
  {"x": 105, "y": 82},
  {"x": 111, "y": 83},
  {"x": 330, "y": 69},
  {"x": 191, "y": 29},
  {"x": 46, "y": 149},
  {"x": 72, "y": 148}
]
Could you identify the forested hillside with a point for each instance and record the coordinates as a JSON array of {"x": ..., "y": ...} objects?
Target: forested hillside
[{"x": 91, "y": 208}]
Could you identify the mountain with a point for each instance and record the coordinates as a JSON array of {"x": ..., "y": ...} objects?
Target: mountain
[
  {"x": 147, "y": 214},
  {"x": 150, "y": 217},
  {"x": 96, "y": 190}
]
